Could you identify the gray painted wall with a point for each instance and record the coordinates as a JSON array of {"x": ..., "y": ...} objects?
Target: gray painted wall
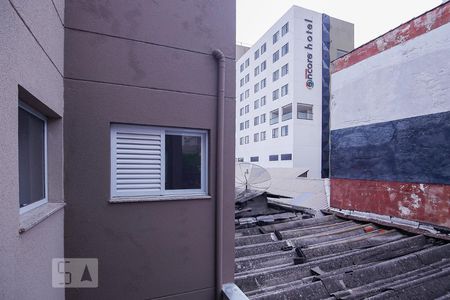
[
  {"x": 31, "y": 55},
  {"x": 342, "y": 36},
  {"x": 149, "y": 63}
]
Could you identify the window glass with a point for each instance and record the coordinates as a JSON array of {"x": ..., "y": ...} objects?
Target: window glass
[
  {"x": 286, "y": 112},
  {"x": 263, "y": 48},
  {"x": 273, "y": 157},
  {"x": 284, "y": 130},
  {"x": 256, "y": 104},
  {"x": 263, "y": 136},
  {"x": 183, "y": 162},
  {"x": 275, "y": 133},
  {"x": 275, "y": 37},
  {"x": 256, "y": 137},
  {"x": 275, "y": 75},
  {"x": 285, "y": 49},
  {"x": 274, "y": 116},
  {"x": 263, "y": 83},
  {"x": 256, "y": 54},
  {"x": 284, "y": 90},
  {"x": 276, "y": 94},
  {"x": 285, "y": 29},
  {"x": 262, "y": 118},
  {"x": 254, "y": 158},
  {"x": 284, "y": 70},
  {"x": 263, "y": 66},
  {"x": 276, "y": 56},
  {"x": 286, "y": 156},
  {"x": 304, "y": 111},
  {"x": 32, "y": 158},
  {"x": 256, "y": 70}
]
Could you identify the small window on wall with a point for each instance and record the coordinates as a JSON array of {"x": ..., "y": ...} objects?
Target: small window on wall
[
  {"x": 263, "y": 101},
  {"x": 256, "y": 137},
  {"x": 240, "y": 159},
  {"x": 286, "y": 112},
  {"x": 273, "y": 157},
  {"x": 276, "y": 56},
  {"x": 263, "y": 66},
  {"x": 285, "y": 29},
  {"x": 256, "y": 54},
  {"x": 285, "y": 49},
  {"x": 254, "y": 158},
  {"x": 284, "y": 90},
  {"x": 275, "y": 75},
  {"x": 275, "y": 37},
  {"x": 286, "y": 156},
  {"x": 274, "y": 116},
  {"x": 32, "y": 159},
  {"x": 263, "y": 48},
  {"x": 284, "y": 130},
  {"x": 284, "y": 70},
  {"x": 304, "y": 111},
  {"x": 274, "y": 133},
  {"x": 155, "y": 161},
  {"x": 256, "y": 70},
  {"x": 247, "y": 62},
  {"x": 262, "y": 118},
  {"x": 263, "y": 136}
]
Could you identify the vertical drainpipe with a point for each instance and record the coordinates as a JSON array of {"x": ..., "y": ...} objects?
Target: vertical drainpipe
[{"x": 220, "y": 57}]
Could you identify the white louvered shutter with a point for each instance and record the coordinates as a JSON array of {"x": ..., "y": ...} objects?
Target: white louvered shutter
[{"x": 136, "y": 160}]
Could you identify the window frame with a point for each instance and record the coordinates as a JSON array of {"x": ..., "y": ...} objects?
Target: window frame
[
  {"x": 286, "y": 131},
  {"x": 285, "y": 29},
  {"x": 310, "y": 116},
  {"x": 204, "y": 158},
  {"x": 42, "y": 117}
]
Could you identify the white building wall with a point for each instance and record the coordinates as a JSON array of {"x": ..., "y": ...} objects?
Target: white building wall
[{"x": 304, "y": 136}]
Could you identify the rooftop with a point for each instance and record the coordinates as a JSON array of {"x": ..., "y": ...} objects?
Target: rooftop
[{"x": 293, "y": 255}]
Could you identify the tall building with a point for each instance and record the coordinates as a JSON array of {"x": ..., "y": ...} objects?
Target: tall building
[{"x": 282, "y": 92}]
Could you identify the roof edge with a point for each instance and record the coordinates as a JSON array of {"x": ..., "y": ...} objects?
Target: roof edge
[{"x": 415, "y": 27}]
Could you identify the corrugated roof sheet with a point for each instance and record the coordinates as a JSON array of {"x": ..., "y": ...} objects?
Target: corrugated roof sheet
[{"x": 336, "y": 258}]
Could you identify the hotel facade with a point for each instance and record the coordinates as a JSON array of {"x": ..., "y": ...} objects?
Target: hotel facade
[{"x": 282, "y": 92}]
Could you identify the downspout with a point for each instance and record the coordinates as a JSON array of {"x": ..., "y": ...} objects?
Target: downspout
[{"x": 220, "y": 57}]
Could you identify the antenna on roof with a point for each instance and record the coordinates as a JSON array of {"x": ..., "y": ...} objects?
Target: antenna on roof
[{"x": 251, "y": 178}]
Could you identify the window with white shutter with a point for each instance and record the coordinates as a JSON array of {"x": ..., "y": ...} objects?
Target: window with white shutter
[{"x": 156, "y": 161}]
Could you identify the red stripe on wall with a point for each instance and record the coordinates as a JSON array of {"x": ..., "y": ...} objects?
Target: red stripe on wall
[
  {"x": 407, "y": 31},
  {"x": 429, "y": 203}
]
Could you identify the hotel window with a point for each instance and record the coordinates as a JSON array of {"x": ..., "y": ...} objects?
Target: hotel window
[
  {"x": 262, "y": 118},
  {"x": 276, "y": 56},
  {"x": 241, "y": 142},
  {"x": 286, "y": 112},
  {"x": 274, "y": 116},
  {"x": 284, "y": 130},
  {"x": 241, "y": 111},
  {"x": 256, "y": 104},
  {"x": 254, "y": 158},
  {"x": 247, "y": 124},
  {"x": 247, "y": 62},
  {"x": 247, "y": 94},
  {"x": 273, "y": 157},
  {"x": 263, "y": 66},
  {"x": 263, "y": 101},
  {"x": 285, "y": 29},
  {"x": 256, "y": 87},
  {"x": 275, "y": 37},
  {"x": 263, "y": 136},
  {"x": 275, "y": 133},
  {"x": 284, "y": 70},
  {"x": 285, "y": 49},
  {"x": 304, "y": 111},
  {"x": 32, "y": 159},
  {"x": 263, "y": 83},
  {"x": 241, "y": 126},
  {"x": 256, "y": 54},
  {"x": 284, "y": 90},
  {"x": 242, "y": 67},
  {"x": 275, "y": 75},
  {"x": 247, "y": 109},
  {"x": 242, "y": 82},
  {"x": 256, "y": 121},
  {"x": 256, "y": 137},
  {"x": 256, "y": 70},
  {"x": 247, "y": 78},
  {"x": 286, "y": 156},
  {"x": 276, "y": 94},
  {"x": 241, "y": 97},
  {"x": 247, "y": 139},
  {"x": 263, "y": 48},
  {"x": 156, "y": 161}
]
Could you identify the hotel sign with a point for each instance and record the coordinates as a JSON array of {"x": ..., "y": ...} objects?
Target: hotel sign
[{"x": 309, "y": 82}]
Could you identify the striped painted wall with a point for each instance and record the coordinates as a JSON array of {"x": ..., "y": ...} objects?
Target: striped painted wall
[{"x": 390, "y": 123}]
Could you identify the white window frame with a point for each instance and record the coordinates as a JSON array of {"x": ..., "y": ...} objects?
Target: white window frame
[
  {"x": 203, "y": 134},
  {"x": 40, "y": 116}
]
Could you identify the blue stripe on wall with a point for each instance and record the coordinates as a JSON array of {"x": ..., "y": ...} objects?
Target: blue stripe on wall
[
  {"x": 325, "y": 96},
  {"x": 409, "y": 150}
]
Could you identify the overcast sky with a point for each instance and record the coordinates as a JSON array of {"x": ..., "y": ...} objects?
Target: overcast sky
[{"x": 371, "y": 17}]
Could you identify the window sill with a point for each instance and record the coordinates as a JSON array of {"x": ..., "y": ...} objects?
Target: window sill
[
  {"x": 35, "y": 216},
  {"x": 159, "y": 198}
]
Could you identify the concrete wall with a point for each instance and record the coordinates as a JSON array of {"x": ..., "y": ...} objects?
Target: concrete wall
[
  {"x": 390, "y": 116},
  {"x": 149, "y": 63},
  {"x": 31, "y": 56},
  {"x": 342, "y": 37}
]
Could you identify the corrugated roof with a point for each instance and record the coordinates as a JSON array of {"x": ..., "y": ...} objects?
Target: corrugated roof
[{"x": 335, "y": 258}]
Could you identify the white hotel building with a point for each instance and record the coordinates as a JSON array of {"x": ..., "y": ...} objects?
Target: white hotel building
[{"x": 281, "y": 91}]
